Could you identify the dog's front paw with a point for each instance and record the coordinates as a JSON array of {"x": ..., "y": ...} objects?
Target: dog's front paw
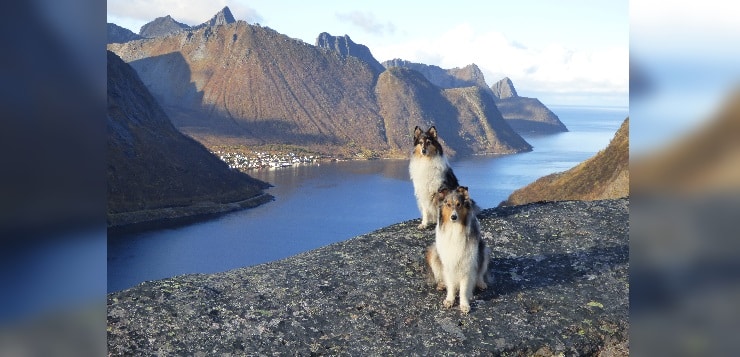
[
  {"x": 422, "y": 226},
  {"x": 482, "y": 285},
  {"x": 448, "y": 303},
  {"x": 441, "y": 286},
  {"x": 465, "y": 308}
]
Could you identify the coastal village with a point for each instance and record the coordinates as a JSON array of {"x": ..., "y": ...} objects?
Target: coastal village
[{"x": 261, "y": 159}]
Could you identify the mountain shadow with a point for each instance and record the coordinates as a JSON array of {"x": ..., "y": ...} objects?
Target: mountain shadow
[{"x": 156, "y": 173}]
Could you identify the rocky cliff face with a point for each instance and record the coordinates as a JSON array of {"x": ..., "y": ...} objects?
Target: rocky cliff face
[
  {"x": 344, "y": 46},
  {"x": 504, "y": 89},
  {"x": 118, "y": 34},
  {"x": 161, "y": 26},
  {"x": 156, "y": 173},
  {"x": 239, "y": 84},
  {"x": 525, "y": 115},
  {"x": 467, "y": 76},
  {"x": 603, "y": 176},
  {"x": 558, "y": 285}
]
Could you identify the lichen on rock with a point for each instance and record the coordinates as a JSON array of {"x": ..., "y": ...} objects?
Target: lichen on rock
[{"x": 560, "y": 286}]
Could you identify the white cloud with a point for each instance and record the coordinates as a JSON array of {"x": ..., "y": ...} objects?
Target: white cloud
[
  {"x": 554, "y": 68},
  {"x": 367, "y": 22}
]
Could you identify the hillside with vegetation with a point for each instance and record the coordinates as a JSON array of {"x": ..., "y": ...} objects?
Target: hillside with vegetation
[{"x": 603, "y": 176}]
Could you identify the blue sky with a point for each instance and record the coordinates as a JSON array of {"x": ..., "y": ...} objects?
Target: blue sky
[{"x": 572, "y": 52}]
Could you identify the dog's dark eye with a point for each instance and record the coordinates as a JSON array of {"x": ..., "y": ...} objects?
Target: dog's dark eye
[{"x": 457, "y": 204}]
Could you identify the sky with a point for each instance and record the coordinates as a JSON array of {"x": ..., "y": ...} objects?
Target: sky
[{"x": 573, "y": 52}]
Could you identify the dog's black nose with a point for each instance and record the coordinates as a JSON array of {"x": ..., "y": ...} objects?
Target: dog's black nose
[
  {"x": 453, "y": 217},
  {"x": 423, "y": 151}
]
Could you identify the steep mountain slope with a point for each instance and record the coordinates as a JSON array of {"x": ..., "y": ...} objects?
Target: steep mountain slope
[
  {"x": 151, "y": 165},
  {"x": 525, "y": 115},
  {"x": 118, "y": 34},
  {"x": 344, "y": 46},
  {"x": 603, "y": 176},
  {"x": 481, "y": 125},
  {"x": 466, "y": 118},
  {"x": 240, "y": 84}
]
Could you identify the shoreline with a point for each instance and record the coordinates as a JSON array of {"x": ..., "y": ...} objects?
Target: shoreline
[{"x": 144, "y": 220}]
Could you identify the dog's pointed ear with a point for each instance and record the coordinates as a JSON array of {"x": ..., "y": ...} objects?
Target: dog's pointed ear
[
  {"x": 432, "y": 132},
  {"x": 417, "y": 132},
  {"x": 463, "y": 190}
]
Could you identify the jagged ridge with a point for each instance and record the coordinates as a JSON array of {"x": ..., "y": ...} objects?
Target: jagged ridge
[{"x": 240, "y": 84}]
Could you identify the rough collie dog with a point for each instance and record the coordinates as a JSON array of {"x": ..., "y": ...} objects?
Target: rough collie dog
[
  {"x": 429, "y": 171},
  {"x": 458, "y": 259}
]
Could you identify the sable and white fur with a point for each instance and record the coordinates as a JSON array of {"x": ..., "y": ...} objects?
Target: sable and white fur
[
  {"x": 429, "y": 171},
  {"x": 459, "y": 257}
]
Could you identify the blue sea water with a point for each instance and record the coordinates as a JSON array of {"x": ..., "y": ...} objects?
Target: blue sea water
[{"x": 318, "y": 205}]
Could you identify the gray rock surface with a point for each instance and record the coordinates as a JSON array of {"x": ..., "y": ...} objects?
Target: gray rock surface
[
  {"x": 504, "y": 89},
  {"x": 560, "y": 286}
]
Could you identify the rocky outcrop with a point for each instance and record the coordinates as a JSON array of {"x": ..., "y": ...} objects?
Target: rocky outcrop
[
  {"x": 222, "y": 17},
  {"x": 467, "y": 76},
  {"x": 154, "y": 172},
  {"x": 525, "y": 115},
  {"x": 344, "y": 46},
  {"x": 161, "y": 26},
  {"x": 559, "y": 287},
  {"x": 118, "y": 34},
  {"x": 604, "y": 175},
  {"x": 504, "y": 89}
]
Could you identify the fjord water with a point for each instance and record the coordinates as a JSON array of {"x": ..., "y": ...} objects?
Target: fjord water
[{"x": 318, "y": 205}]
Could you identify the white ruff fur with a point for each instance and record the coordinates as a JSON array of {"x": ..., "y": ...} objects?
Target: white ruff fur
[
  {"x": 427, "y": 175},
  {"x": 459, "y": 258}
]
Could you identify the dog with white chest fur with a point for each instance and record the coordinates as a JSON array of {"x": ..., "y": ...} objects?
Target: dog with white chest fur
[
  {"x": 458, "y": 259},
  {"x": 430, "y": 171}
]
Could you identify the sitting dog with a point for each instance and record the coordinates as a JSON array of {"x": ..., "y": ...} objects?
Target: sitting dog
[
  {"x": 458, "y": 259},
  {"x": 429, "y": 171}
]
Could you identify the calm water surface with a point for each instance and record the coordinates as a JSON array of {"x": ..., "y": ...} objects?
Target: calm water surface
[{"x": 318, "y": 205}]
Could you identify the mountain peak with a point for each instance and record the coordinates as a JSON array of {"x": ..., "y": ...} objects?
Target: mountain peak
[
  {"x": 504, "y": 89},
  {"x": 222, "y": 17},
  {"x": 161, "y": 26}
]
